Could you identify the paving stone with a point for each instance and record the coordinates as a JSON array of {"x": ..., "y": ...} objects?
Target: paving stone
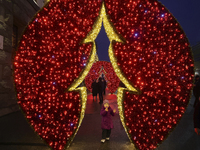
[{"x": 16, "y": 134}]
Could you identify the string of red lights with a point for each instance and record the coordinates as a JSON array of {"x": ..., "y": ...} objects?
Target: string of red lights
[
  {"x": 109, "y": 75},
  {"x": 48, "y": 60},
  {"x": 155, "y": 58}
]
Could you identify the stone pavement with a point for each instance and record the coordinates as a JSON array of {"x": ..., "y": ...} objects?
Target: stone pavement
[{"x": 16, "y": 134}]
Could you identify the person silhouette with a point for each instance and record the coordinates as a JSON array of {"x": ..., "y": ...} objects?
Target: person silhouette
[
  {"x": 104, "y": 86},
  {"x": 94, "y": 88},
  {"x": 196, "y": 90},
  {"x": 100, "y": 90},
  {"x": 196, "y": 118}
]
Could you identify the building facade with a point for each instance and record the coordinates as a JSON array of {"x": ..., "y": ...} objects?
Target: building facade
[{"x": 14, "y": 17}]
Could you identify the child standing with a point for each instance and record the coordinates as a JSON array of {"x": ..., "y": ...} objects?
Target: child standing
[{"x": 106, "y": 123}]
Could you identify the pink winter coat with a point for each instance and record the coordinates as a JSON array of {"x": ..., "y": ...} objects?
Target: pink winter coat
[{"x": 106, "y": 122}]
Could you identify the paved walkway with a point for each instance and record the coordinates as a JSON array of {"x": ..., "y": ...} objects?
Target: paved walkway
[{"x": 16, "y": 134}]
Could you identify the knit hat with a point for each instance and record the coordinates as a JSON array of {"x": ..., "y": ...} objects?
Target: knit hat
[{"x": 105, "y": 101}]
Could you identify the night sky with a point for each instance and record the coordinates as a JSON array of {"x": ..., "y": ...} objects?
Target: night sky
[{"x": 187, "y": 13}]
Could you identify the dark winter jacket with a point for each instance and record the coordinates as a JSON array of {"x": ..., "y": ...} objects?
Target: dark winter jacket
[
  {"x": 100, "y": 86},
  {"x": 106, "y": 122},
  {"x": 196, "y": 117},
  {"x": 196, "y": 89},
  {"x": 94, "y": 88}
]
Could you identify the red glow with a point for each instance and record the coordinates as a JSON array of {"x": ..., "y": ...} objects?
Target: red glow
[
  {"x": 48, "y": 60},
  {"x": 154, "y": 59},
  {"x": 106, "y": 68}
]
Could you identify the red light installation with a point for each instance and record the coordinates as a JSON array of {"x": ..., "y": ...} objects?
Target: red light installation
[
  {"x": 156, "y": 58},
  {"x": 47, "y": 62},
  {"x": 106, "y": 68}
]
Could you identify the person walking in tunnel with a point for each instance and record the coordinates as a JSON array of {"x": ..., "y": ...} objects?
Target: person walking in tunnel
[
  {"x": 94, "y": 88},
  {"x": 104, "y": 86},
  {"x": 100, "y": 90},
  {"x": 106, "y": 123},
  {"x": 196, "y": 118},
  {"x": 196, "y": 90}
]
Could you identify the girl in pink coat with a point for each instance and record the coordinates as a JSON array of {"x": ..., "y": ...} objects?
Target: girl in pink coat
[{"x": 106, "y": 123}]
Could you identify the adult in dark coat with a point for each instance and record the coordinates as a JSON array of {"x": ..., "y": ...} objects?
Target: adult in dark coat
[
  {"x": 106, "y": 123},
  {"x": 100, "y": 90},
  {"x": 196, "y": 119},
  {"x": 104, "y": 86},
  {"x": 94, "y": 88},
  {"x": 196, "y": 90}
]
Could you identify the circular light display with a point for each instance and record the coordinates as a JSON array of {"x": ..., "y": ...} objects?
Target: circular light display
[{"x": 149, "y": 53}]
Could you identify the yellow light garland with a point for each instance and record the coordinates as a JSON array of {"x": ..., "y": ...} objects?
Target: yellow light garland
[
  {"x": 90, "y": 38},
  {"x": 113, "y": 37}
]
